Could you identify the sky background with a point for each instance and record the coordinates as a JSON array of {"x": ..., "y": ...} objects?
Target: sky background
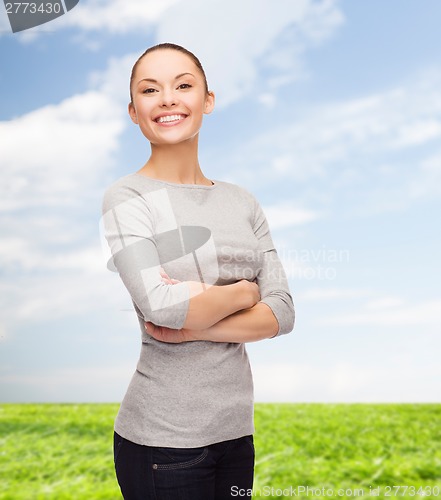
[{"x": 329, "y": 112}]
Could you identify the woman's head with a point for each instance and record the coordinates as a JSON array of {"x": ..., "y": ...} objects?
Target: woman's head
[
  {"x": 169, "y": 94},
  {"x": 168, "y": 46}
]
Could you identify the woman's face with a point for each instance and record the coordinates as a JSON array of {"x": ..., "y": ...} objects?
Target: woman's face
[{"x": 169, "y": 97}]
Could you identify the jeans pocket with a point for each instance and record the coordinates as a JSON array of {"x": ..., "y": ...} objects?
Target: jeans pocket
[
  {"x": 117, "y": 444},
  {"x": 177, "y": 458},
  {"x": 250, "y": 441}
]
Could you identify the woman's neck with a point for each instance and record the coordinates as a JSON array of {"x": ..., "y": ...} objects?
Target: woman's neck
[{"x": 176, "y": 163}]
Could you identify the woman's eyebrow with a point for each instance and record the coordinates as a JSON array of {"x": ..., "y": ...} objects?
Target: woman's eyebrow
[
  {"x": 156, "y": 81},
  {"x": 183, "y": 74}
]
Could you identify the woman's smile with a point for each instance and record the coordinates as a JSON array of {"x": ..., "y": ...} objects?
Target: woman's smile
[{"x": 170, "y": 120}]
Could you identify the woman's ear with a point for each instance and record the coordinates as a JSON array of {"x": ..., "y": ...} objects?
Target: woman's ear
[
  {"x": 132, "y": 113},
  {"x": 209, "y": 102}
]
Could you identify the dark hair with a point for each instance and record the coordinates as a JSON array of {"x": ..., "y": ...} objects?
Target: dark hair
[{"x": 172, "y": 46}]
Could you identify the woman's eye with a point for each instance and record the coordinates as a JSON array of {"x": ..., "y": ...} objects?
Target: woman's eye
[
  {"x": 148, "y": 91},
  {"x": 184, "y": 86}
]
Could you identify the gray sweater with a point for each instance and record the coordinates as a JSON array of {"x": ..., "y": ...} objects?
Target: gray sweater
[{"x": 194, "y": 393}]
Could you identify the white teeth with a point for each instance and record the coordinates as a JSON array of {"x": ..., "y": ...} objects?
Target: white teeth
[{"x": 170, "y": 118}]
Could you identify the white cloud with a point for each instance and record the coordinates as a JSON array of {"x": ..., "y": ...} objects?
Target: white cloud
[
  {"x": 378, "y": 149},
  {"x": 427, "y": 181},
  {"x": 316, "y": 294},
  {"x": 54, "y": 159},
  {"x": 114, "y": 80},
  {"x": 238, "y": 42},
  {"x": 20, "y": 253},
  {"x": 285, "y": 214},
  {"x": 80, "y": 384},
  {"x": 418, "y": 132},
  {"x": 235, "y": 41},
  {"x": 400, "y": 381},
  {"x": 55, "y": 162},
  {"x": 268, "y": 99},
  {"x": 389, "y": 313},
  {"x": 31, "y": 299},
  {"x": 116, "y": 16},
  {"x": 385, "y": 303},
  {"x": 54, "y": 153},
  {"x": 111, "y": 16},
  {"x": 376, "y": 123}
]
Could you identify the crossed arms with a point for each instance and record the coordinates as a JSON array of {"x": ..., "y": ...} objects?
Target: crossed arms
[
  {"x": 230, "y": 313},
  {"x": 180, "y": 311}
]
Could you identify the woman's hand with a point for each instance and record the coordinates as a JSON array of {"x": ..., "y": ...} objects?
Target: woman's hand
[
  {"x": 166, "y": 278},
  {"x": 169, "y": 335},
  {"x": 251, "y": 294},
  {"x": 247, "y": 295}
]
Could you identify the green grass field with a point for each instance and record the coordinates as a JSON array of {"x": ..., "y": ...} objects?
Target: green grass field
[{"x": 61, "y": 451}]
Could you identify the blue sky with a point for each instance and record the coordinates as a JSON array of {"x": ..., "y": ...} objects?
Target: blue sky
[{"x": 328, "y": 111}]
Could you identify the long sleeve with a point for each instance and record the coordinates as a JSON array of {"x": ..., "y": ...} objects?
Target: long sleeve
[
  {"x": 272, "y": 280},
  {"x": 128, "y": 226}
]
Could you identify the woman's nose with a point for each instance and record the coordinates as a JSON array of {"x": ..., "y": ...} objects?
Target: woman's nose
[{"x": 168, "y": 99}]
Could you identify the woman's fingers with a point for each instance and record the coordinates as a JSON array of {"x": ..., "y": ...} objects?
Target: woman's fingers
[
  {"x": 163, "y": 273},
  {"x": 164, "y": 334},
  {"x": 166, "y": 278}
]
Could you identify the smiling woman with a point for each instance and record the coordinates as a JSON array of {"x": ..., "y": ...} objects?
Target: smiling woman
[
  {"x": 175, "y": 96},
  {"x": 197, "y": 258}
]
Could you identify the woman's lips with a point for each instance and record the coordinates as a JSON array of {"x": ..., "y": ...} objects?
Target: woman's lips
[{"x": 170, "y": 120}]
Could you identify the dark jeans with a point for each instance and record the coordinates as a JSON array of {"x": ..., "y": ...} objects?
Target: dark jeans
[{"x": 218, "y": 471}]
